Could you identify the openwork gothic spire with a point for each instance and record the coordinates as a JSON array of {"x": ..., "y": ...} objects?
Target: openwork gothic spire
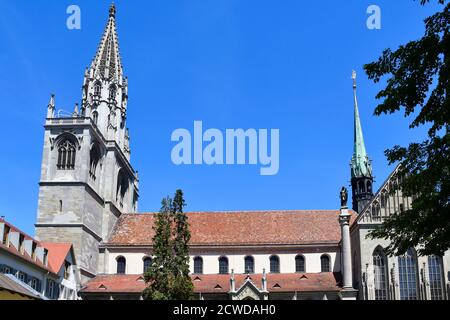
[
  {"x": 107, "y": 63},
  {"x": 360, "y": 164}
]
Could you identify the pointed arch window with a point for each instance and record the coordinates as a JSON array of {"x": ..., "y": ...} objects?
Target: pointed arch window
[
  {"x": 112, "y": 92},
  {"x": 325, "y": 263},
  {"x": 121, "y": 265},
  {"x": 122, "y": 186},
  {"x": 95, "y": 117},
  {"x": 300, "y": 264},
  {"x": 249, "y": 264},
  {"x": 435, "y": 273},
  {"x": 380, "y": 274},
  {"x": 198, "y": 265},
  {"x": 97, "y": 89},
  {"x": 408, "y": 276},
  {"x": 223, "y": 265},
  {"x": 147, "y": 263},
  {"x": 94, "y": 160},
  {"x": 274, "y": 264},
  {"x": 66, "y": 155}
]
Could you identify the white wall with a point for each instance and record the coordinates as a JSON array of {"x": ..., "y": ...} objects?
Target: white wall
[{"x": 135, "y": 264}]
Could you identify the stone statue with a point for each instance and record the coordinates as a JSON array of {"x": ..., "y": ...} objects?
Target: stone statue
[{"x": 344, "y": 197}]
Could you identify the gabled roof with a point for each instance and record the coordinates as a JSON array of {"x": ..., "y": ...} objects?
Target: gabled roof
[
  {"x": 245, "y": 228},
  {"x": 57, "y": 254},
  {"x": 213, "y": 283}
]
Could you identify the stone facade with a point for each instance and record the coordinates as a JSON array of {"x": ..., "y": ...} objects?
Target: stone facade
[{"x": 87, "y": 180}]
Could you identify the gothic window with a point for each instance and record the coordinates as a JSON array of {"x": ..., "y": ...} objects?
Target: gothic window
[
  {"x": 223, "y": 265},
  {"x": 383, "y": 199},
  {"x": 369, "y": 187},
  {"x": 66, "y": 155},
  {"x": 147, "y": 263},
  {"x": 300, "y": 264},
  {"x": 436, "y": 278},
  {"x": 112, "y": 92},
  {"x": 95, "y": 117},
  {"x": 408, "y": 275},
  {"x": 325, "y": 263},
  {"x": 361, "y": 187},
  {"x": 6, "y": 235},
  {"x": 198, "y": 265},
  {"x": 249, "y": 264},
  {"x": 274, "y": 264},
  {"x": 94, "y": 160},
  {"x": 97, "y": 89},
  {"x": 380, "y": 274},
  {"x": 122, "y": 186},
  {"x": 121, "y": 265}
]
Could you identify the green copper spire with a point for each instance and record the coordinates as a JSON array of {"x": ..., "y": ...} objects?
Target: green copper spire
[{"x": 360, "y": 164}]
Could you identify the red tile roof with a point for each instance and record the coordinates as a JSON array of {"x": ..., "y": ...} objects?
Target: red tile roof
[
  {"x": 239, "y": 228},
  {"x": 57, "y": 254},
  {"x": 24, "y": 256},
  {"x": 310, "y": 282}
]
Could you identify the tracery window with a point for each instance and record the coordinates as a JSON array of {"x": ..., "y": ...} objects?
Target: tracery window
[
  {"x": 223, "y": 265},
  {"x": 300, "y": 264},
  {"x": 97, "y": 89},
  {"x": 325, "y": 263},
  {"x": 95, "y": 117},
  {"x": 249, "y": 264},
  {"x": 380, "y": 274},
  {"x": 94, "y": 160},
  {"x": 436, "y": 278},
  {"x": 274, "y": 264},
  {"x": 122, "y": 186},
  {"x": 112, "y": 92},
  {"x": 66, "y": 155},
  {"x": 408, "y": 275}
]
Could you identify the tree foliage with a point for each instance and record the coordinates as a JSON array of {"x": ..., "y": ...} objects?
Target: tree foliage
[
  {"x": 168, "y": 276},
  {"x": 418, "y": 84}
]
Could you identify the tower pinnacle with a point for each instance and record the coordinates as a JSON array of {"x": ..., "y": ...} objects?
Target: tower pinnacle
[{"x": 361, "y": 166}]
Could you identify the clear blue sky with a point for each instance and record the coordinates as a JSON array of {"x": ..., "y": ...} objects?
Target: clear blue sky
[{"x": 230, "y": 63}]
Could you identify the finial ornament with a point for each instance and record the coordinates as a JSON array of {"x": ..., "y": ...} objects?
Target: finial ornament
[
  {"x": 51, "y": 104},
  {"x": 344, "y": 197},
  {"x": 112, "y": 10},
  {"x": 354, "y": 78}
]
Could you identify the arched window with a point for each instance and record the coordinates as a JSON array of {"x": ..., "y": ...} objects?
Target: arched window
[
  {"x": 94, "y": 159},
  {"x": 325, "y": 263},
  {"x": 147, "y": 263},
  {"x": 408, "y": 276},
  {"x": 300, "y": 264},
  {"x": 122, "y": 186},
  {"x": 380, "y": 274},
  {"x": 66, "y": 155},
  {"x": 249, "y": 264},
  {"x": 198, "y": 265},
  {"x": 95, "y": 117},
  {"x": 112, "y": 92},
  {"x": 121, "y": 265},
  {"x": 97, "y": 89},
  {"x": 435, "y": 272},
  {"x": 369, "y": 187},
  {"x": 274, "y": 264},
  {"x": 362, "y": 188},
  {"x": 223, "y": 265}
]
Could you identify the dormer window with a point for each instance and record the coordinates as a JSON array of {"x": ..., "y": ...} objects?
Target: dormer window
[
  {"x": 67, "y": 270},
  {"x": 45, "y": 257},
  {"x": 33, "y": 251},
  {"x": 21, "y": 243},
  {"x": 6, "y": 235}
]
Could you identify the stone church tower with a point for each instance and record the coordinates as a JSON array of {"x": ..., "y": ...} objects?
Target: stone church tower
[
  {"x": 361, "y": 166},
  {"x": 87, "y": 180}
]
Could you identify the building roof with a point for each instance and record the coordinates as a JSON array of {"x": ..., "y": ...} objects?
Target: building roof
[
  {"x": 212, "y": 283},
  {"x": 10, "y": 283},
  {"x": 24, "y": 256},
  {"x": 239, "y": 228},
  {"x": 57, "y": 254}
]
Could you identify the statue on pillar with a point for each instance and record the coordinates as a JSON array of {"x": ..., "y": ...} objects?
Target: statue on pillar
[{"x": 344, "y": 197}]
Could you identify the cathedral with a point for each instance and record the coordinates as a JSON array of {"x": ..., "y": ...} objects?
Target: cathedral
[{"x": 88, "y": 197}]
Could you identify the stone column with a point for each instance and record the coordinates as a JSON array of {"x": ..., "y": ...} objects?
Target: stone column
[{"x": 344, "y": 221}]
